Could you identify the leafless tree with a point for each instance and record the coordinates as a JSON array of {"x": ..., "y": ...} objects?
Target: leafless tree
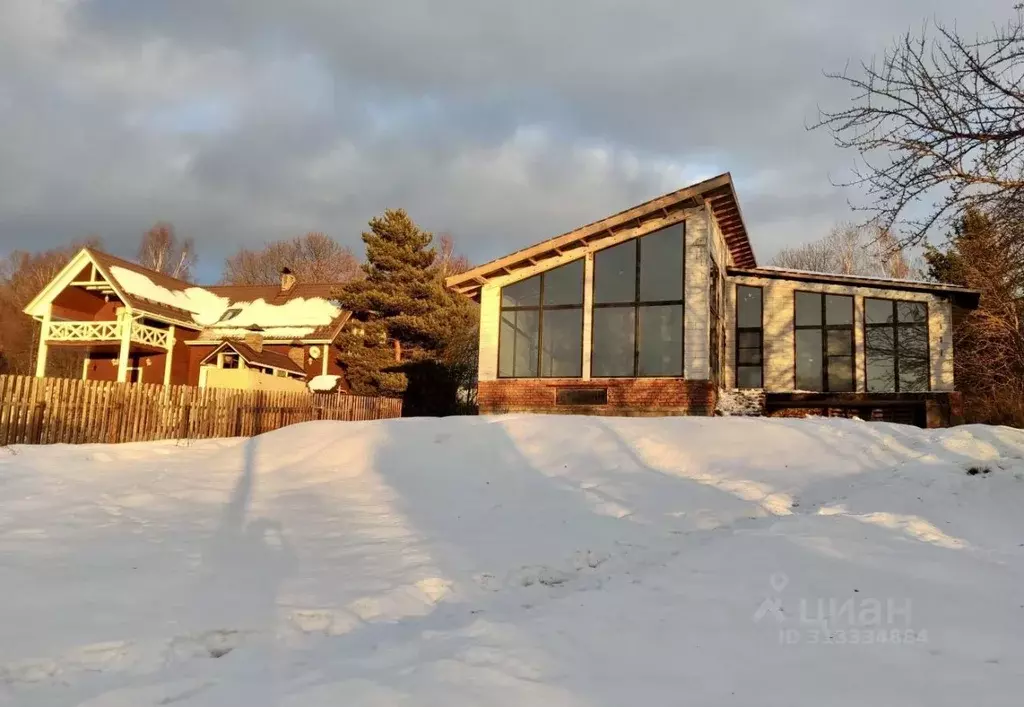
[
  {"x": 22, "y": 276},
  {"x": 450, "y": 262},
  {"x": 314, "y": 257},
  {"x": 938, "y": 123},
  {"x": 850, "y": 249},
  {"x": 162, "y": 250}
]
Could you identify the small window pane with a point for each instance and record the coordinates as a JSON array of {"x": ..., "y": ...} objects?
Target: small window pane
[
  {"x": 615, "y": 273},
  {"x": 877, "y": 311},
  {"x": 840, "y": 374},
  {"x": 748, "y": 377},
  {"x": 840, "y": 342},
  {"x": 526, "y": 343},
  {"x": 881, "y": 362},
  {"x": 808, "y": 359},
  {"x": 661, "y": 265},
  {"x": 564, "y": 284},
  {"x": 913, "y": 359},
  {"x": 507, "y": 345},
  {"x": 748, "y": 309},
  {"x": 808, "y": 309},
  {"x": 879, "y": 341},
  {"x": 661, "y": 341},
  {"x": 880, "y": 375},
  {"x": 562, "y": 356},
  {"x": 911, "y": 312},
  {"x": 749, "y": 357},
  {"x": 749, "y": 339},
  {"x": 838, "y": 309},
  {"x": 614, "y": 331},
  {"x": 522, "y": 294}
]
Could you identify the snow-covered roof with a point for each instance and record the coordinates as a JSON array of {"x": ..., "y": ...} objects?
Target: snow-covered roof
[
  {"x": 204, "y": 306},
  {"x": 221, "y": 316}
]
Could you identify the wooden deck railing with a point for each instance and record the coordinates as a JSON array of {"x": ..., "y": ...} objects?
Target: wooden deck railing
[{"x": 84, "y": 332}]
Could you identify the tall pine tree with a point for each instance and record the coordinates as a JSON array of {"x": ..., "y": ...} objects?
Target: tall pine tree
[{"x": 406, "y": 320}]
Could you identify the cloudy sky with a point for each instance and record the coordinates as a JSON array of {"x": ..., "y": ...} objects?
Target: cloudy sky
[{"x": 503, "y": 123}]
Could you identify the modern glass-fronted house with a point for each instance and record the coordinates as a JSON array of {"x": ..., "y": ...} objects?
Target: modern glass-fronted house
[{"x": 662, "y": 309}]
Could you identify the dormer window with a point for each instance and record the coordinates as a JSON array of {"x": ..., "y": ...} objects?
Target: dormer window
[{"x": 229, "y": 314}]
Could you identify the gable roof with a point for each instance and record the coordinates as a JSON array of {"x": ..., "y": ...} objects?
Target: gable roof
[
  {"x": 271, "y": 359},
  {"x": 717, "y": 193},
  {"x": 164, "y": 297},
  {"x": 105, "y": 263}
]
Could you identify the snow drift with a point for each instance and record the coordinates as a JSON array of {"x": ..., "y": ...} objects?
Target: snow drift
[{"x": 518, "y": 560}]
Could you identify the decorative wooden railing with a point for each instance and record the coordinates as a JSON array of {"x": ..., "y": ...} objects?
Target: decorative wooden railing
[
  {"x": 84, "y": 331},
  {"x": 108, "y": 331},
  {"x": 151, "y": 336}
]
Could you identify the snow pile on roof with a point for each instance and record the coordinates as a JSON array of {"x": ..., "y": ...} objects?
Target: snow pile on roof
[
  {"x": 518, "y": 560},
  {"x": 323, "y": 384},
  {"x": 205, "y": 307},
  {"x": 312, "y": 313},
  {"x": 295, "y": 318}
]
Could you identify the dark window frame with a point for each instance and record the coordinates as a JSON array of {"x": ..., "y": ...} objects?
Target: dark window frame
[
  {"x": 759, "y": 330},
  {"x": 895, "y": 325},
  {"x": 637, "y": 304},
  {"x": 715, "y": 290},
  {"x": 589, "y": 396},
  {"x": 540, "y": 308},
  {"x": 825, "y": 327}
]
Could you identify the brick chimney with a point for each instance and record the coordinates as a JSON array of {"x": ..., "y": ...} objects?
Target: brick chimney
[
  {"x": 287, "y": 279},
  {"x": 254, "y": 340}
]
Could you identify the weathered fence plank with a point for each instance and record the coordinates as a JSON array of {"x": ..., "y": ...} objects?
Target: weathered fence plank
[{"x": 52, "y": 410}]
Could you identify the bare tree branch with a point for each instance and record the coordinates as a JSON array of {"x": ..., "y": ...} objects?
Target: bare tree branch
[
  {"x": 161, "y": 250},
  {"x": 314, "y": 257},
  {"x": 938, "y": 124}
]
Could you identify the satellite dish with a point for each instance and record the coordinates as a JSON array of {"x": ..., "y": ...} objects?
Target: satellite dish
[{"x": 314, "y": 353}]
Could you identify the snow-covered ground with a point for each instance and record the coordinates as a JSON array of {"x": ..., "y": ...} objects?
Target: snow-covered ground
[{"x": 524, "y": 560}]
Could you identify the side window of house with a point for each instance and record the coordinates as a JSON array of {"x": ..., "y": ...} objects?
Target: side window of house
[
  {"x": 715, "y": 323},
  {"x": 749, "y": 337},
  {"x": 896, "y": 346},
  {"x": 638, "y": 307},
  {"x": 824, "y": 342},
  {"x": 541, "y": 331}
]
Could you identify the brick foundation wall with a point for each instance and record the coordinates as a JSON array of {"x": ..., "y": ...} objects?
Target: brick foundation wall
[{"x": 626, "y": 396}]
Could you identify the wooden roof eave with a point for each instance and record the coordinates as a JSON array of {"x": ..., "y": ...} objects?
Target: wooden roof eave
[
  {"x": 63, "y": 280},
  {"x": 501, "y": 272},
  {"x": 960, "y": 296},
  {"x": 688, "y": 197}
]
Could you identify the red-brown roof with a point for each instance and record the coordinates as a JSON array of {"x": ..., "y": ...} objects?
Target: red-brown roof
[
  {"x": 266, "y": 357},
  {"x": 272, "y": 294},
  {"x": 105, "y": 261}
]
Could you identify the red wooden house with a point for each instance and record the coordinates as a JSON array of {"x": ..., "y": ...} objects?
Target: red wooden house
[{"x": 136, "y": 324}]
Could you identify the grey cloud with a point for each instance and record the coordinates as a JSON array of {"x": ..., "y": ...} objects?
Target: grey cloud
[{"x": 503, "y": 123}]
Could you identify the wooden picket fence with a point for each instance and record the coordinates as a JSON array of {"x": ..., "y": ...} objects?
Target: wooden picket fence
[{"x": 51, "y": 410}]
